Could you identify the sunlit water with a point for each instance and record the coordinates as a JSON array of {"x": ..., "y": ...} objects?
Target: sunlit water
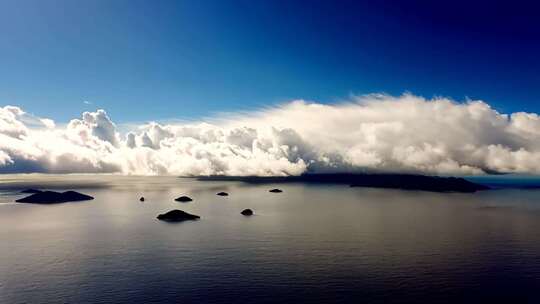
[{"x": 311, "y": 243}]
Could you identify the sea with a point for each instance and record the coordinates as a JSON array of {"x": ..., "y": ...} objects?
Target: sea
[{"x": 312, "y": 243}]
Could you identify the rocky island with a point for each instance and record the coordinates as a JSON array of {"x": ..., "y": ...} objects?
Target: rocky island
[
  {"x": 183, "y": 199},
  {"x": 52, "y": 197},
  {"x": 247, "y": 212},
  {"x": 177, "y": 216}
]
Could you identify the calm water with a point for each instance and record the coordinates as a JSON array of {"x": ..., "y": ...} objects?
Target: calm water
[{"x": 312, "y": 243}]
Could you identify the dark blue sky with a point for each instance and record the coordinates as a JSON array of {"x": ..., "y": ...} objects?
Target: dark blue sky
[{"x": 147, "y": 60}]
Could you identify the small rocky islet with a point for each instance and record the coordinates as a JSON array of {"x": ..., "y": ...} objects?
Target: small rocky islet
[
  {"x": 222, "y": 194},
  {"x": 247, "y": 212},
  {"x": 177, "y": 216},
  {"x": 275, "y": 190},
  {"x": 183, "y": 199}
]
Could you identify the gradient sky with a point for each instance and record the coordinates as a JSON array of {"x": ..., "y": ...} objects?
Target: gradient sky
[{"x": 152, "y": 60}]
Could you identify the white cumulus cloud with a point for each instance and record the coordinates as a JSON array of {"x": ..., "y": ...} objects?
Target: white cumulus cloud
[{"x": 372, "y": 133}]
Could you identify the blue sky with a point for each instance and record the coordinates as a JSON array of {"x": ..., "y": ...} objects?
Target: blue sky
[{"x": 153, "y": 60}]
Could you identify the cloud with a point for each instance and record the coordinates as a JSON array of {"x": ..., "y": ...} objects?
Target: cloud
[{"x": 372, "y": 133}]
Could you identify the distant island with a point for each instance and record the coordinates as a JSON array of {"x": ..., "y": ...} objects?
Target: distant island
[{"x": 390, "y": 181}]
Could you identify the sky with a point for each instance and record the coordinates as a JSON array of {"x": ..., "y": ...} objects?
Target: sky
[
  {"x": 269, "y": 87},
  {"x": 167, "y": 60}
]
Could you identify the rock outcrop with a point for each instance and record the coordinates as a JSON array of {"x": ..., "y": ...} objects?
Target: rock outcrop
[
  {"x": 247, "y": 212},
  {"x": 183, "y": 199},
  {"x": 177, "y": 216}
]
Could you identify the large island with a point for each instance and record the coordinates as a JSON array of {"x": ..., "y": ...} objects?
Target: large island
[{"x": 52, "y": 197}]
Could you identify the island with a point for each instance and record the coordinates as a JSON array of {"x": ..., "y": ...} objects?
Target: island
[
  {"x": 390, "y": 181},
  {"x": 222, "y": 194},
  {"x": 183, "y": 199},
  {"x": 177, "y": 216},
  {"x": 247, "y": 212},
  {"x": 52, "y": 197}
]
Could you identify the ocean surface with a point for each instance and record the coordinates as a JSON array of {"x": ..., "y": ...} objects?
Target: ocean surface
[{"x": 310, "y": 244}]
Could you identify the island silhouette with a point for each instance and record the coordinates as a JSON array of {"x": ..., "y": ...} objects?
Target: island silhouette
[
  {"x": 53, "y": 197},
  {"x": 388, "y": 181}
]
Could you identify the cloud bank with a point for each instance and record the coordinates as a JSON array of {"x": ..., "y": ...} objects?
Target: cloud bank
[{"x": 373, "y": 133}]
